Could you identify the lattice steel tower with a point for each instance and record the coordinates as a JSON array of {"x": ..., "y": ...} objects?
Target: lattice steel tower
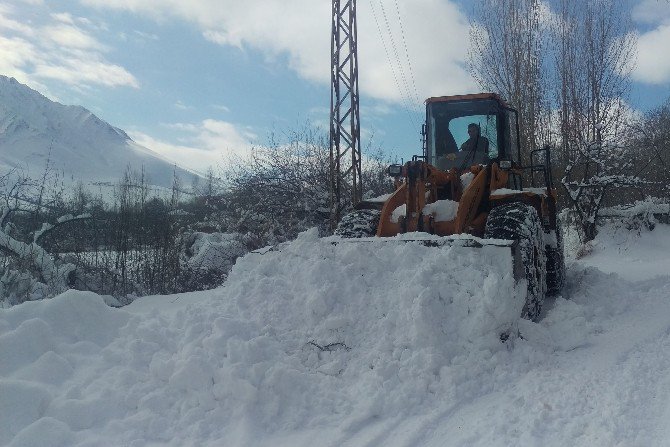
[{"x": 345, "y": 145}]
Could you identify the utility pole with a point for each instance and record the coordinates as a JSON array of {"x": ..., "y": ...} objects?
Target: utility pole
[{"x": 345, "y": 145}]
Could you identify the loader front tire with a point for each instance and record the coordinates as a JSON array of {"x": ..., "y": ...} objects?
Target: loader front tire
[
  {"x": 359, "y": 223},
  {"x": 520, "y": 222},
  {"x": 555, "y": 264}
]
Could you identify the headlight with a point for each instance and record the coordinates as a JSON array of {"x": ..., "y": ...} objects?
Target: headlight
[{"x": 394, "y": 170}]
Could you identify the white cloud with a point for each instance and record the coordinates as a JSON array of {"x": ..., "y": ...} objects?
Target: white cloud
[
  {"x": 69, "y": 36},
  {"x": 208, "y": 143},
  {"x": 84, "y": 69},
  {"x": 64, "y": 17},
  {"x": 221, "y": 107},
  {"x": 182, "y": 106},
  {"x": 8, "y": 24},
  {"x": 14, "y": 54},
  {"x": 653, "y": 59},
  {"x": 146, "y": 36},
  {"x": 61, "y": 47},
  {"x": 436, "y": 33},
  {"x": 189, "y": 157},
  {"x": 652, "y": 12},
  {"x": 217, "y": 135}
]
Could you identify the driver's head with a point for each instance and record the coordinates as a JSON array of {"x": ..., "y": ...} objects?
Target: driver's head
[{"x": 473, "y": 130}]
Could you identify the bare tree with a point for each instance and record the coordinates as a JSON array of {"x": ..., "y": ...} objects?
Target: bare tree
[
  {"x": 27, "y": 269},
  {"x": 595, "y": 51},
  {"x": 653, "y": 139},
  {"x": 507, "y": 56},
  {"x": 282, "y": 188}
]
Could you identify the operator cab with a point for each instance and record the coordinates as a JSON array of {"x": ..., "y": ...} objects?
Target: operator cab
[{"x": 465, "y": 130}]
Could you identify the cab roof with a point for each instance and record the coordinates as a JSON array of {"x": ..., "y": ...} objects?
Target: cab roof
[{"x": 469, "y": 97}]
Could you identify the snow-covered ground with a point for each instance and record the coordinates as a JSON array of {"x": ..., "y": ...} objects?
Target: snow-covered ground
[
  {"x": 350, "y": 344},
  {"x": 631, "y": 255}
]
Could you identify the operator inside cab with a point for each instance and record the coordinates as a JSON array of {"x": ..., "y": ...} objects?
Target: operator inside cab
[
  {"x": 476, "y": 148},
  {"x": 465, "y": 130},
  {"x": 473, "y": 151}
]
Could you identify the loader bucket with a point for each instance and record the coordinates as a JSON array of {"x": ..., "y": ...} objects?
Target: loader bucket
[
  {"x": 462, "y": 241},
  {"x": 475, "y": 285}
]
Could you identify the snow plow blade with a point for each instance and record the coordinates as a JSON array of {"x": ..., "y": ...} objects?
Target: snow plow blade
[
  {"x": 463, "y": 287},
  {"x": 427, "y": 240},
  {"x": 464, "y": 241}
]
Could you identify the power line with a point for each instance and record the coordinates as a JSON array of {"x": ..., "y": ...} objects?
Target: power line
[
  {"x": 395, "y": 53},
  {"x": 409, "y": 61},
  {"x": 403, "y": 96}
]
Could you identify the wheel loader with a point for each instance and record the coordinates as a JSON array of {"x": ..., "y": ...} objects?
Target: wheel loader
[{"x": 468, "y": 186}]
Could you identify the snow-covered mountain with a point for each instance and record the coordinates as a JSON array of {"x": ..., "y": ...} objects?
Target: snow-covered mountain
[{"x": 79, "y": 144}]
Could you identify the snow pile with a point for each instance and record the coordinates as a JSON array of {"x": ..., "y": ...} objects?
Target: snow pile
[
  {"x": 398, "y": 213},
  {"x": 17, "y": 286},
  {"x": 638, "y": 216},
  {"x": 442, "y": 210},
  {"x": 466, "y": 179},
  {"x": 206, "y": 258},
  {"x": 43, "y": 347},
  {"x": 321, "y": 332},
  {"x": 212, "y": 251},
  {"x": 376, "y": 315}
]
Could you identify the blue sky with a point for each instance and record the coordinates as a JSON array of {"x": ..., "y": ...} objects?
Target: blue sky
[{"x": 202, "y": 79}]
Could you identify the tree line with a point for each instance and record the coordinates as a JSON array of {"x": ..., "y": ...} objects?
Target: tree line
[
  {"x": 566, "y": 66},
  {"x": 137, "y": 240}
]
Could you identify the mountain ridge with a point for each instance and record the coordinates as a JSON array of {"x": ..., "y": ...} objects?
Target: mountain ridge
[{"x": 36, "y": 131}]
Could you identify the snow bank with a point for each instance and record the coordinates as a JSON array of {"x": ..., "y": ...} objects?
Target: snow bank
[
  {"x": 650, "y": 205},
  {"x": 634, "y": 255},
  {"x": 319, "y": 332},
  {"x": 42, "y": 345}
]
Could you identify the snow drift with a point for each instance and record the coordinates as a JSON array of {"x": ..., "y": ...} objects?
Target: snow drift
[{"x": 312, "y": 334}]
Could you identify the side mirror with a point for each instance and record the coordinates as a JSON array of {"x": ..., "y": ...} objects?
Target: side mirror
[{"x": 394, "y": 170}]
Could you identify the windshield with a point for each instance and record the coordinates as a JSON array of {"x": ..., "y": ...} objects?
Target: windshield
[{"x": 456, "y": 126}]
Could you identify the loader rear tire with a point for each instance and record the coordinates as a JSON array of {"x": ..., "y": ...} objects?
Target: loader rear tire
[
  {"x": 360, "y": 223},
  {"x": 555, "y": 264},
  {"x": 520, "y": 222}
]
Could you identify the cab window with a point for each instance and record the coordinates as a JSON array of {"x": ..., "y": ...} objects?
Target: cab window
[
  {"x": 458, "y": 127},
  {"x": 447, "y": 126}
]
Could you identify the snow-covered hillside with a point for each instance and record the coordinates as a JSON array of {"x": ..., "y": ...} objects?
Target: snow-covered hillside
[
  {"x": 79, "y": 144},
  {"x": 335, "y": 345}
]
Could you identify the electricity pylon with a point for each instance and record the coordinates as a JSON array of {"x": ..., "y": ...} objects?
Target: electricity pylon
[{"x": 345, "y": 145}]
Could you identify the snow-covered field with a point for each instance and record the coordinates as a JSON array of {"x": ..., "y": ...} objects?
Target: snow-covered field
[{"x": 335, "y": 345}]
